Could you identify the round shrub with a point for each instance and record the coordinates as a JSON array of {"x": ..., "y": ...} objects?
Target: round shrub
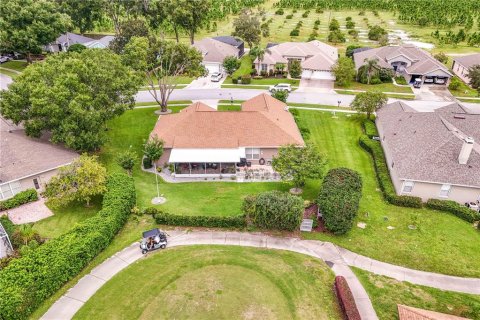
[
  {"x": 339, "y": 199},
  {"x": 279, "y": 12},
  {"x": 246, "y": 79},
  {"x": 294, "y": 33}
]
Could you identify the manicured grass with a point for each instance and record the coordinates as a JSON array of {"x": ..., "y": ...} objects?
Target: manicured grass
[
  {"x": 154, "y": 103},
  {"x": 245, "y": 66},
  {"x": 9, "y": 73},
  {"x": 389, "y": 95},
  {"x": 464, "y": 90},
  {"x": 382, "y": 87},
  {"x": 66, "y": 217},
  {"x": 386, "y": 293},
  {"x": 264, "y": 82},
  {"x": 227, "y": 107},
  {"x": 442, "y": 242},
  {"x": 469, "y": 100},
  {"x": 15, "y": 65},
  {"x": 218, "y": 282}
]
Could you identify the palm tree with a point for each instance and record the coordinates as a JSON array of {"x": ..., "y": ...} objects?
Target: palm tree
[
  {"x": 259, "y": 53},
  {"x": 27, "y": 233},
  {"x": 371, "y": 65}
]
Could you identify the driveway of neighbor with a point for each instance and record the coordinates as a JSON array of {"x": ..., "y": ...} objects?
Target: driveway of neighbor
[
  {"x": 337, "y": 258},
  {"x": 30, "y": 212},
  {"x": 308, "y": 85},
  {"x": 432, "y": 93},
  {"x": 205, "y": 83}
]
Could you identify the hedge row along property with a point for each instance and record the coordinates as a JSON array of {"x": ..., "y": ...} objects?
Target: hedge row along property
[
  {"x": 26, "y": 282},
  {"x": 20, "y": 198}
]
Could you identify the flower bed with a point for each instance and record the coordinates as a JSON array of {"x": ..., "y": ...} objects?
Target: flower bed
[{"x": 345, "y": 298}]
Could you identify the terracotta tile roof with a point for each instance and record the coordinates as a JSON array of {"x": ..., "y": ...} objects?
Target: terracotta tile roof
[
  {"x": 263, "y": 122},
  {"x": 424, "y": 146},
  {"x": 22, "y": 156},
  {"x": 214, "y": 50},
  {"x": 468, "y": 61},
  {"x": 411, "y": 313}
]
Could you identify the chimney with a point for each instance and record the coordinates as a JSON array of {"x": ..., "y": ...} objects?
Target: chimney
[{"x": 466, "y": 150}]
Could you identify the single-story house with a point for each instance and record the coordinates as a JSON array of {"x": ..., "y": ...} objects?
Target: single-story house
[
  {"x": 432, "y": 154},
  {"x": 316, "y": 58},
  {"x": 407, "y": 60},
  {"x": 462, "y": 64},
  {"x": 65, "y": 40},
  {"x": 26, "y": 162},
  {"x": 215, "y": 51},
  {"x": 411, "y": 313},
  {"x": 231, "y": 40},
  {"x": 203, "y": 142}
]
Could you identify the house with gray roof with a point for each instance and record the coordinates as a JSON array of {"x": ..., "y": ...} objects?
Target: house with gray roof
[
  {"x": 462, "y": 64},
  {"x": 27, "y": 163},
  {"x": 432, "y": 154},
  {"x": 236, "y": 42},
  {"x": 215, "y": 51},
  {"x": 409, "y": 61},
  {"x": 67, "y": 39}
]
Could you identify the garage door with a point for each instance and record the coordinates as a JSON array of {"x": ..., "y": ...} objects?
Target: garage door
[
  {"x": 317, "y": 75},
  {"x": 212, "y": 67}
]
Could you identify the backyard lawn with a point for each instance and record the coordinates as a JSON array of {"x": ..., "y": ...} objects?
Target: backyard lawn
[
  {"x": 218, "y": 282},
  {"x": 386, "y": 293}
]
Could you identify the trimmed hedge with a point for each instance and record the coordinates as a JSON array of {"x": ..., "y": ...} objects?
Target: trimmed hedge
[
  {"x": 20, "y": 198},
  {"x": 370, "y": 128},
  {"x": 339, "y": 199},
  {"x": 27, "y": 281},
  {"x": 166, "y": 218},
  {"x": 8, "y": 226},
  {"x": 346, "y": 299},
  {"x": 453, "y": 207},
  {"x": 383, "y": 175}
]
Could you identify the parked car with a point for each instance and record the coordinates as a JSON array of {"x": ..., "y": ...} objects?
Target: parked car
[
  {"x": 417, "y": 83},
  {"x": 216, "y": 77},
  {"x": 440, "y": 81},
  {"x": 4, "y": 59},
  {"x": 281, "y": 87},
  {"x": 428, "y": 80}
]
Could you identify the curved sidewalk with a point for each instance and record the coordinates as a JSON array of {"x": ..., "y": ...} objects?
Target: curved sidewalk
[{"x": 337, "y": 258}]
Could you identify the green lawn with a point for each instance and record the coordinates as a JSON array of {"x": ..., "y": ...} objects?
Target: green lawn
[
  {"x": 389, "y": 95},
  {"x": 227, "y": 107},
  {"x": 263, "y": 82},
  {"x": 218, "y": 282},
  {"x": 9, "y": 73},
  {"x": 382, "y": 87},
  {"x": 464, "y": 90},
  {"x": 245, "y": 66},
  {"x": 386, "y": 293},
  {"x": 15, "y": 65}
]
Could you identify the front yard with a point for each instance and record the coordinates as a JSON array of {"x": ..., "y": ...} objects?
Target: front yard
[{"x": 382, "y": 87}]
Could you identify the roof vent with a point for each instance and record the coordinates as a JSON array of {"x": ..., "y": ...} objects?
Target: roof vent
[{"x": 458, "y": 116}]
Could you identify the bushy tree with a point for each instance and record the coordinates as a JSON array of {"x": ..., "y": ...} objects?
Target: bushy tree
[
  {"x": 77, "y": 47},
  {"x": 126, "y": 31},
  {"x": 193, "y": 14},
  {"x": 83, "y": 13},
  {"x": 334, "y": 25},
  {"x": 474, "y": 76},
  {"x": 274, "y": 210},
  {"x": 71, "y": 95},
  {"x": 297, "y": 164},
  {"x": 231, "y": 64},
  {"x": 344, "y": 71},
  {"x": 376, "y": 32},
  {"x": 126, "y": 159},
  {"x": 442, "y": 57},
  {"x": 371, "y": 67},
  {"x": 339, "y": 199},
  {"x": 455, "y": 84},
  {"x": 368, "y": 102},
  {"x": 281, "y": 95},
  {"x": 153, "y": 148},
  {"x": 28, "y": 25},
  {"x": 81, "y": 180},
  {"x": 247, "y": 27},
  {"x": 336, "y": 36},
  {"x": 295, "y": 69},
  {"x": 350, "y": 49}
]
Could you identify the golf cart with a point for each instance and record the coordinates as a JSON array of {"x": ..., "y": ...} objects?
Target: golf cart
[{"x": 153, "y": 240}]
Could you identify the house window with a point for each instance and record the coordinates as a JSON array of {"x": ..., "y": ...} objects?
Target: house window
[
  {"x": 264, "y": 67},
  {"x": 407, "y": 187},
  {"x": 445, "y": 190},
  {"x": 252, "y": 153}
]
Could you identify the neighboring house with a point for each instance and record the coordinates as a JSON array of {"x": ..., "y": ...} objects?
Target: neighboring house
[
  {"x": 407, "y": 60},
  {"x": 27, "y": 162},
  {"x": 201, "y": 141},
  {"x": 462, "y": 64},
  {"x": 316, "y": 58},
  {"x": 236, "y": 42},
  {"x": 215, "y": 51},
  {"x": 65, "y": 40},
  {"x": 432, "y": 154},
  {"x": 411, "y": 313}
]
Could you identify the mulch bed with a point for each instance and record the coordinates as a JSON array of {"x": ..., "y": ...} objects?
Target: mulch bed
[{"x": 311, "y": 213}]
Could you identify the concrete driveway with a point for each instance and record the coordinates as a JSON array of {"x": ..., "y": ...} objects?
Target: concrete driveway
[
  {"x": 433, "y": 93},
  {"x": 311, "y": 85},
  {"x": 205, "y": 83}
]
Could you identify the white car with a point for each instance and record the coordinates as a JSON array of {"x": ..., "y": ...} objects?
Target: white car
[
  {"x": 440, "y": 81},
  {"x": 281, "y": 87},
  {"x": 216, "y": 77},
  {"x": 4, "y": 59},
  {"x": 428, "y": 80}
]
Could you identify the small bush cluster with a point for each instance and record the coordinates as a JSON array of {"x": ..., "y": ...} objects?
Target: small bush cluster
[
  {"x": 7, "y": 225},
  {"x": 246, "y": 79},
  {"x": 27, "y": 281},
  {"x": 274, "y": 210},
  {"x": 294, "y": 33},
  {"x": 20, "y": 198},
  {"x": 279, "y": 12},
  {"x": 383, "y": 175},
  {"x": 453, "y": 207},
  {"x": 370, "y": 128},
  {"x": 165, "y": 218},
  {"x": 339, "y": 199},
  {"x": 305, "y": 14},
  {"x": 289, "y": 16},
  {"x": 346, "y": 299}
]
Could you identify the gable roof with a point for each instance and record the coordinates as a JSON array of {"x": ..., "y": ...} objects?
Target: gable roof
[
  {"x": 411, "y": 313},
  {"x": 214, "y": 50},
  {"x": 316, "y": 54},
  {"x": 424, "y": 146},
  {"x": 263, "y": 122},
  {"x": 72, "y": 38},
  {"x": 422, "y": 62},
  {"x": 468, "y": 61},
  {"x": 22, "y": 156}
]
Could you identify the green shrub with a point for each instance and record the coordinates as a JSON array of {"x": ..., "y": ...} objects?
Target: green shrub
[
  {"x": 147, "y": 163},
  {"x": 7, "y": 225},
  {"x": 339, "y": 199},
  {"x": 375, "y": 81},
  {"x": 234, "y": 80},
  {"x": 20, "y": 198},
  {"x": 279, "y": 12},
  {"x": 27, "y": 281},
  {"x": 383, "y": 175},
  {"x": 370, "y": 128},
  {"x": 289, "y": 16},
  {"x": 166, "y": 218},
  {"x": 401, "y": 80},
  {"x": 453, "y": 207},
  {"x": 274, "y": 210},
  {"x": 246, "y": 79},
  {"x": 294, "y": 33}
]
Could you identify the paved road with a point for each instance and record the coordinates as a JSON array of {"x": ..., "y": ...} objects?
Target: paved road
[
  {"x": 4, "y": 81},
  {"x": 337, "y": 258}
]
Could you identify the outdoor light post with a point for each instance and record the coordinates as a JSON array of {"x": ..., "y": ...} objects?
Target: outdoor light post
[
  {"x": 156, "y": 178},
  {"x": 339, "y": 103}
]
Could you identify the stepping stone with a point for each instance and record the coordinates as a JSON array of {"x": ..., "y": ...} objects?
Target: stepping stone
[
  {"x": 390, "y": 228},
  {"x": 362, "y": 225}
]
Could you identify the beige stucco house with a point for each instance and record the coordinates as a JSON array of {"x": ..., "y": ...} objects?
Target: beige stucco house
[
  {"x": 316, "y": 58},
  {"x": 407, "y": 60},
  {"x": 432, "y": 154},
  {"x": 27, "y": 163},
  {"x": 202, "y": 142},
  {"x": 462, "y": 64},
  {"x": 215, "y": 50}
]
